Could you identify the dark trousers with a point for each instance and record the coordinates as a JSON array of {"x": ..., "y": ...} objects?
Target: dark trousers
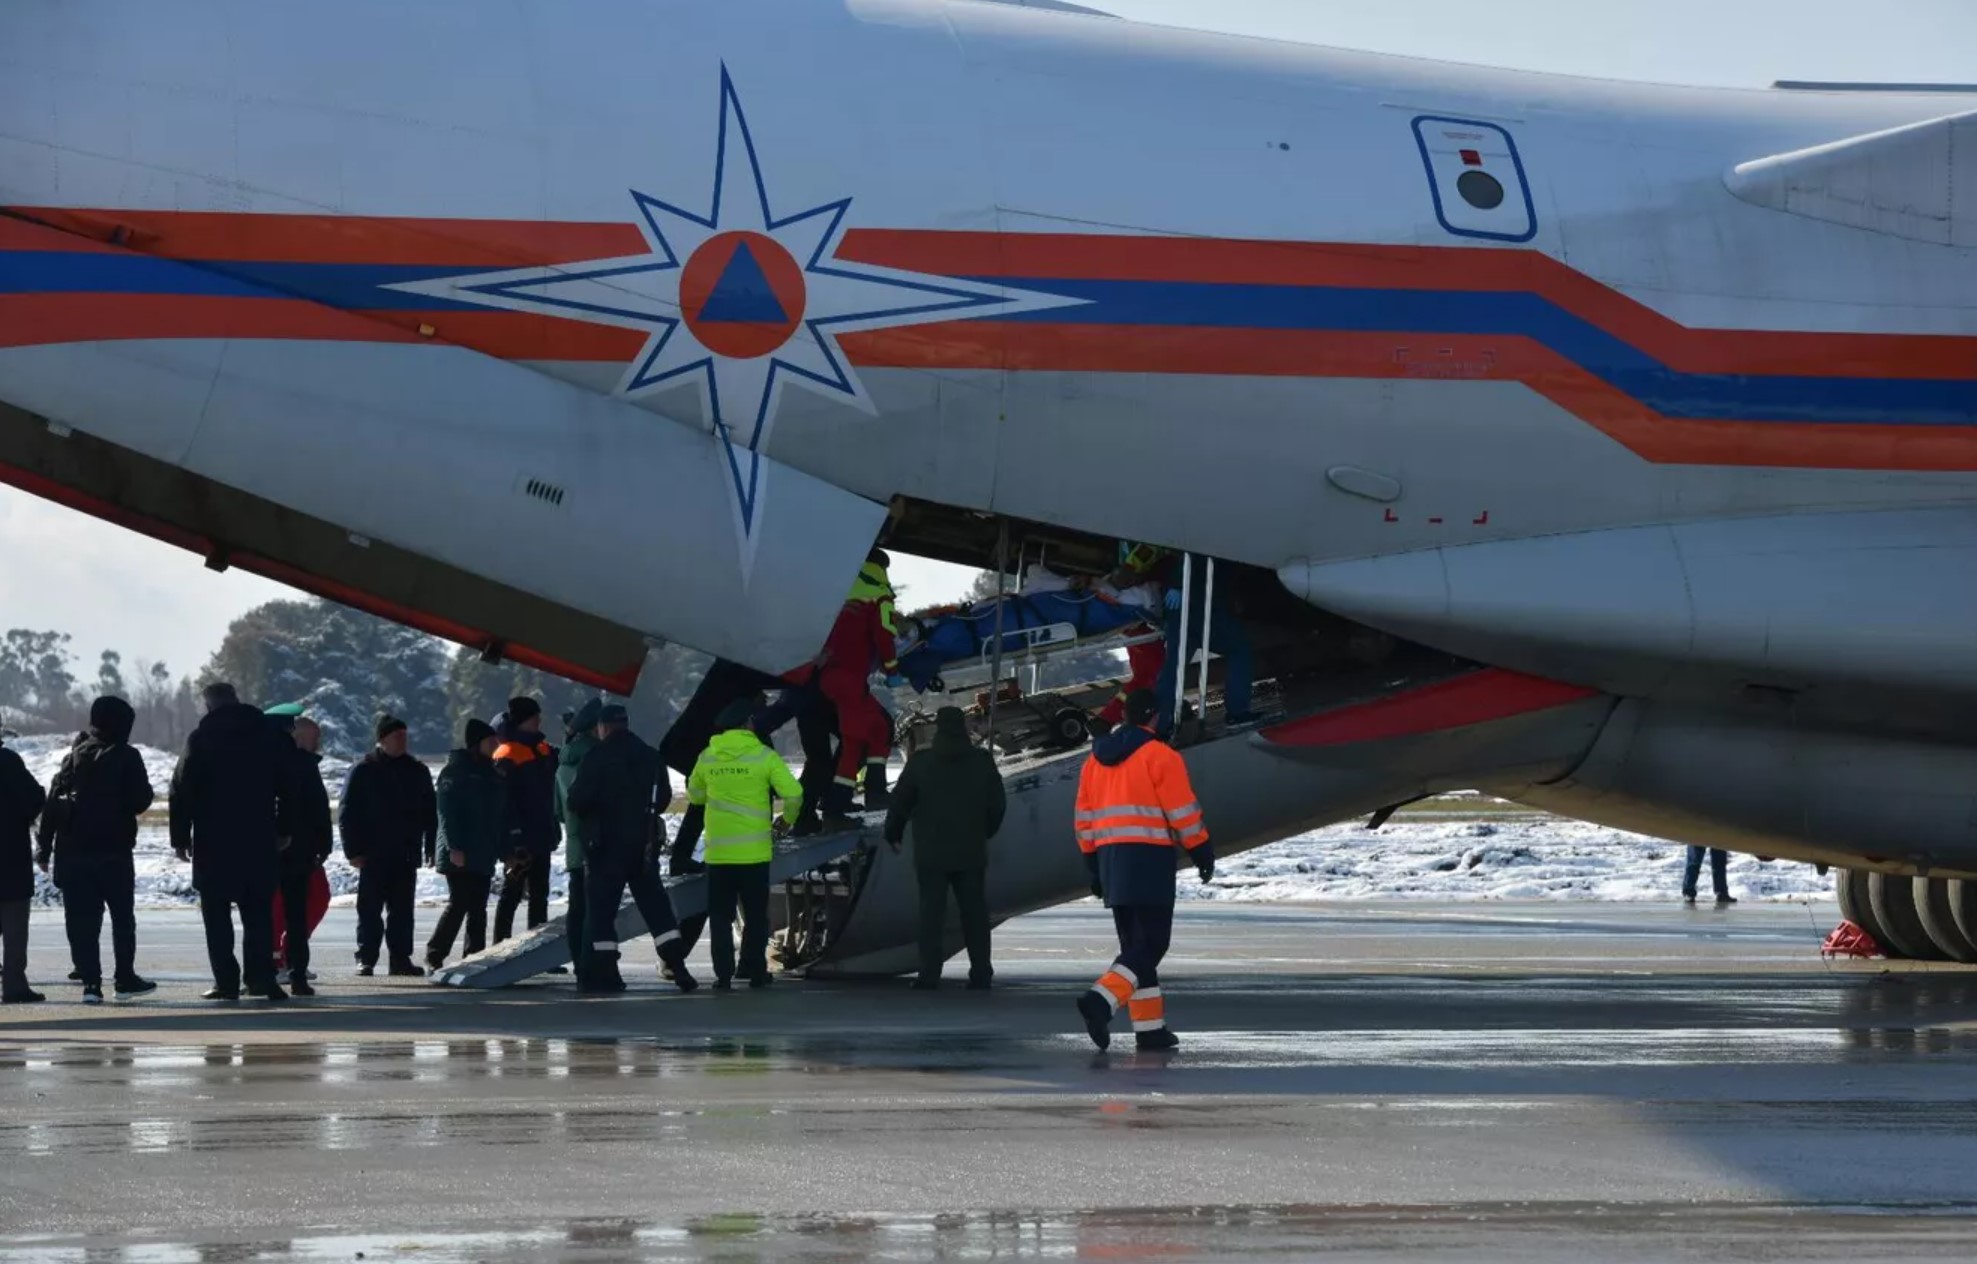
[
  {"x": 1719, "y": 863},
  {"x": 294, "y": 896},
  {"x": 466, "y": 902},
  {"x": 970, "y": 887},
  {"x": 1227, "y": 637},
  {"x": 816, "y": 728},
  {"x": 13, "y": 947},
  {"x": 576, "y": 923},
  {"x": 532, "y": 882},
  {"x": 743, "y": 888},
  {"x": 1145, "y": 931},
  {"x": 91, "y": 886},
  {"x": 606, "y": 885},
  {"x": 384, "y": 910},
  {"x": 257, "y": 934}
]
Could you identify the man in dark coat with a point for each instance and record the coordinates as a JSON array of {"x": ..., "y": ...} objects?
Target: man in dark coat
[
  {"x": 311, "y": 838},
  {"x": 473, "y": 801},
  {"x": 231, "y": 798},
  {"x": 951, "y": 796},
  {"x": 620, "y": 791},
  {"x": 390, "y": 824},
  {"x": 90, "y": 832},
  {"x": 528, "y": 765},
  {"x": 21, "y": 798}
]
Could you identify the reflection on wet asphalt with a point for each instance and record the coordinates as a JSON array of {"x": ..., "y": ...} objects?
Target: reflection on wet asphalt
[{"x": 1742, "y": 1114}]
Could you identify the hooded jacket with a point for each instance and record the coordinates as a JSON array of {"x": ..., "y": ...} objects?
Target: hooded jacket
[
  {"x": 583, "y": 740},
  {"x": 21, "y": 798},
  {"x": 472, "y": 802},
  {"x": 99, "y": 792},
  {"x": 528, "y": 765},
  {"x": 1137, "y": 816},
  {"x": 951, "y": 796},
  {"x": 736, "y": 779},
  {"x": 231, "y": 797}
]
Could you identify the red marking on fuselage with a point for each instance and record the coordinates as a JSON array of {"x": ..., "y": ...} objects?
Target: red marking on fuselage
[{"x": 1476, "y": 698}]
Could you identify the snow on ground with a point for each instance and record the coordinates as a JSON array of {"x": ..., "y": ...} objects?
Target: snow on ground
[{"x": 1456, "y": 848}]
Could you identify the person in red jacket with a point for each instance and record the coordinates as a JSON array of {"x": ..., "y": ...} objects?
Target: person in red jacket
[{"x": 863, "y": 638}]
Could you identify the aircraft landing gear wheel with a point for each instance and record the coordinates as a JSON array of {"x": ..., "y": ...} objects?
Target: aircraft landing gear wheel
[
  {"x": 1850, "y": 886},
  {"x": 1893, "y": 898},
  {"x": 1069, "y": 728},
  {"x": 1963, "y": 906},
  {"x": 1932, "y": 901}
]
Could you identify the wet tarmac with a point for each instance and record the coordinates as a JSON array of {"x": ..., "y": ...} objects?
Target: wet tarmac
[{"x": 1537, "y": 1082}]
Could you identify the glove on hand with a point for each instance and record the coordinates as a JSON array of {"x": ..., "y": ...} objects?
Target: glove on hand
[
  {"x": 1173, "y": 599},
  {"x": 1204, "y": 861}
]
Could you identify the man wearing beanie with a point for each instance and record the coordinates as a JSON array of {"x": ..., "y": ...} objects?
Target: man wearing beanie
[
  {"x": 528, "y": 763},
  {"x": 471, "y": 802},
  {"x": 231, "y": 799},
  {"x": 390, "y": 824},
  {"x": 88, "y": 836},
  {"x": 580, "y": 738}
]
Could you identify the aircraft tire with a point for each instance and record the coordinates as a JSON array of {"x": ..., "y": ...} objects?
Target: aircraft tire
[
  {"x": 1963, "y": 906},
  {"x": 1893, "y": 898},
  {"x": 1850, "y": 885},
  {"x": 1932, "y": 901}
]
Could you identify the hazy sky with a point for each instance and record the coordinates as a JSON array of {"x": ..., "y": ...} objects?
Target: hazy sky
[{"x": 111, "y": 588}]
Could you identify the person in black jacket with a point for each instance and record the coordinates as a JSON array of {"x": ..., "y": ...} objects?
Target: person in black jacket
[
  {"x": 231, "y": 798},
  {"x": 390, "y": 823},
  {"x": 472, "y": 804},
  {"x": 21, "y": 798},
  {"x": 528, "y": 764},
  {"x": 310, "y": 840},
  {"x": 89, "y": 833},
  {"x": 620, "y": 791},
  {"x": 951, "y": 796}
]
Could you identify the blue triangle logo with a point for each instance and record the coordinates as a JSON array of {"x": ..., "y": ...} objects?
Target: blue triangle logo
[{"x": 743, "y": 295}]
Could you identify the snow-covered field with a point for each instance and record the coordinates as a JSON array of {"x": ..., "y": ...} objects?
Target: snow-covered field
[{"x": 1456, "y": 848}]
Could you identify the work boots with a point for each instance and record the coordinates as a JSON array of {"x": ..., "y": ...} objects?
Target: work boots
[
  {"x": 672, "y": 967},
  {"x": 602, "y": 976},
  {"x": 877, "y": 796},
  {"x": 1157, "y": 1041}
]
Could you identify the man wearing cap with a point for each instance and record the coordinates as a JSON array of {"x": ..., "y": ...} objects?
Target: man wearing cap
[
  {"x": 472, "y": 802},
  {"x": 528, "y": 764},
  {"x": 231, "y": 800},
  {"x": 619, "y": 792},
  {"x": 304, "y": 893},
  {"x": 579, "y": 740},
  {"x": 390, "y": 824},
  {"x": 737, "y": 779}
]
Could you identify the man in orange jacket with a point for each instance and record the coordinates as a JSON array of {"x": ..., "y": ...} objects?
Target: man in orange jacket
[{"x": 1135, "y": 806}]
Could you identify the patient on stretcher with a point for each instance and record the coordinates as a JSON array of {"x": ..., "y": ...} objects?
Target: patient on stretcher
[{"x": 945, "y": 636}]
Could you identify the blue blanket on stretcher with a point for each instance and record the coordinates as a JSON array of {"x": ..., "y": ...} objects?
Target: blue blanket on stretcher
[{"x": 965, "y": 636}]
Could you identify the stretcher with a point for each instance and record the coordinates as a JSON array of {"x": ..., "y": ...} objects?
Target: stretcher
[{"x": 1033, "y": 626}]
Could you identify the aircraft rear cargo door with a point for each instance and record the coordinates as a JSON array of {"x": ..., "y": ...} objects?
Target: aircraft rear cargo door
[{"x": 1476, "y": 179}]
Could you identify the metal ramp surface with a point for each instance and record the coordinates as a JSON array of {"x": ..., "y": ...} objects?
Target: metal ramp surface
[{"x": 548, "y": 946}]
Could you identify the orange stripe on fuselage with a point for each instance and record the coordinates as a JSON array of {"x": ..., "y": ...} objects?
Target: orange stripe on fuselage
[{"x": 1044, "y": 256}]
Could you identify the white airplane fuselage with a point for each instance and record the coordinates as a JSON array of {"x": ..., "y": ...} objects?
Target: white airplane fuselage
[{"x": 646, "y": 308}]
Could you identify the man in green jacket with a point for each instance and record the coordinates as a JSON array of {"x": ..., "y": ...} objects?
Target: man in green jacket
[
  {"x": 580, "y": 738},
  {"x": 472, "y": 800},
  {"x": 619, "y": 792},
  {"x": 737, "y": 779},
  {"x": 951, "y": 795}
]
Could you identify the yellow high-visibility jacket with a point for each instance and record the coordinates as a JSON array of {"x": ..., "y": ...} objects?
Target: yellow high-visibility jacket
[{"x": 737, "y": 779}]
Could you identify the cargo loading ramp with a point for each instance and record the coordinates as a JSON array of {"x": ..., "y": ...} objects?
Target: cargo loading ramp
[{"x": 548, "y": 945}]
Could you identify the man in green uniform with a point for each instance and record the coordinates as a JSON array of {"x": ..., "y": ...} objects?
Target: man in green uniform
[
  {"x": 951, "y": 795},
  {"x": 580, "y": 740},
  {"x": 737, "y": 779}
]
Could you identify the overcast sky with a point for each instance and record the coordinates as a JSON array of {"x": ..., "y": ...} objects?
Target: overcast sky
[{"x": 110, "y": 588}]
